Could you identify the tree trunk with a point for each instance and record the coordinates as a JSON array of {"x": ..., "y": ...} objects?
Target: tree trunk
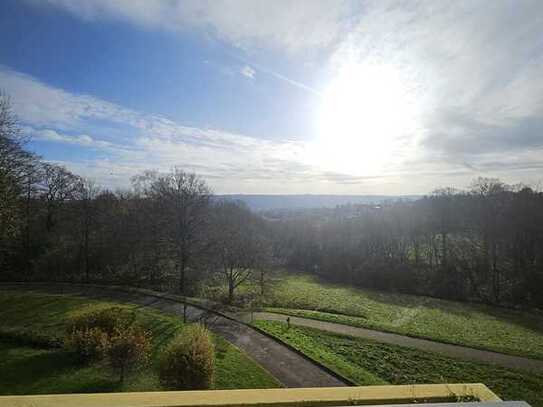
[
  {"x": 230, "y": 291},
  {"x": 495, "y": 273},
  {"x": 182, "y": 267},
  {"x": 49, "y": 221},
  {"x": 87, "y": 252},
  {"x": 417, "y": 252},
  {"x": 443, "y": 249},
  {"x": 27, "y": 229}
]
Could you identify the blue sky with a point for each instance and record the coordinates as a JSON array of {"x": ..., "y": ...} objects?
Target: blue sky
[{"x": 281, "y": 97}]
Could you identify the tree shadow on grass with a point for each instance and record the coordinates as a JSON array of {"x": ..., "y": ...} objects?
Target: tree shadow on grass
[{"x": 38, "y": 371}]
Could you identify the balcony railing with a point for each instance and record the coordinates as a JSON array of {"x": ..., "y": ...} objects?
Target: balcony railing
[{"x": 304, "y": 397}]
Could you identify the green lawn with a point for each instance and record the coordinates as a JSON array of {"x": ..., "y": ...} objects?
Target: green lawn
[
  {"x": 472, "y": 325},
  {"x": 30, "y": 320},
  {"x": 367, "y": 362}
]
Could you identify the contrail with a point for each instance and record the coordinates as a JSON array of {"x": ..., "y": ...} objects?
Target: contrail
[
  {"x": 299, "y": 85},
  {"x": 276, "y": 75}
]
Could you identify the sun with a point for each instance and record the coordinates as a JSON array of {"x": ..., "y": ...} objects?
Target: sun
[{"x": 363, "y": 113}]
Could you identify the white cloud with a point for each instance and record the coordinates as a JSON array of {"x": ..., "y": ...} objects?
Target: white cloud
[
  {"x": 46, "y": 106},
  {"x": 474, "y": 71},
  {"x": 83, "y": 140},
  {"x": 248, "y": 72},
  {"x": 281, "y": 24},
  {"x": 230, "y": 162}
]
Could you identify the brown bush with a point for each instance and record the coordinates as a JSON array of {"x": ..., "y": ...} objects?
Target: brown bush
[
  {"x": 88, "y": 333},
  {"x": 105, "y": 319},
  {"x": 86, "y": 343},
  {"x": 188, "y": 361},
  {"x": 127, "y": 349}
]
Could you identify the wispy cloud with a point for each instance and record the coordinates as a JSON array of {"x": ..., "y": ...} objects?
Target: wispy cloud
[
  {"x": 279, "y": 24},
  {"x": 82, "y": 140},
  {"x": 44, "y": 105},
  {"x": 231, "y": 162},
  {"x": 248, "y": 72},
  {"x": 288, "y": 80},
  {"x": 473, "y": 70}
]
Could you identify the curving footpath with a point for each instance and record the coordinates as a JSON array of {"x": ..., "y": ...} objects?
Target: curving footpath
[
  {"x": 288, "y": 367},
  {"x": 456, "y": 351}
]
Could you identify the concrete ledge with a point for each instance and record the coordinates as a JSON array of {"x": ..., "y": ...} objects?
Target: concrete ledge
[{"x": 305, "y": 397}]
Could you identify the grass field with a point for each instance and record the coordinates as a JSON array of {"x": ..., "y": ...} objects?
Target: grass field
[
  {"x": 367, "y": 362},
  {"x": 30, "y": 320},
  {"x": 471, "y": 325}
]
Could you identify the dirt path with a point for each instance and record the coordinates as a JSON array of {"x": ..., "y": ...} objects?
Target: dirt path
[
  {"x": 287, "y": 366},
  {"x": 461, "y": 352}
]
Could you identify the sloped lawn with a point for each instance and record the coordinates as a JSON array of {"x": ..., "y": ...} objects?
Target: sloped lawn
[
  {"x": 478, "y": 326},
  {"x": 31, "y": 324},
  {"x": 367, "y": 362}
]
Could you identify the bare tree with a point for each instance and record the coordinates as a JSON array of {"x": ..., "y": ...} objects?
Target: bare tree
[
  {"x": 264, "y": 259},
  {"x": 181, "y": 200},
  {"x": 16, "y": 165},
  {"x": 88, "y": 191},
  {"x": 489, "y": 194},
  {"x": 238, "y": 244},
  {"x": 14, "y": 159},
  {"x": 58, "y": 186}
]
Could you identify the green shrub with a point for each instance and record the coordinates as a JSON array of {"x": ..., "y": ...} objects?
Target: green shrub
[
  {"x": 127, "y": 349},
  {"x": 188, "y": 362},
  {"x": 86, "y": 343}
]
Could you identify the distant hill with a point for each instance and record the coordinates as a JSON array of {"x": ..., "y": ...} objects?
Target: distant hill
[{"x": 267, "y": 202}]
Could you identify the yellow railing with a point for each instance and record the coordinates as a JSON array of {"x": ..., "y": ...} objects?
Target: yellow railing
[{"x": 321, "y": 396}]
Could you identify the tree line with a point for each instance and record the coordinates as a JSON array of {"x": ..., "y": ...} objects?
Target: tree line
[
  {"x": 168, "y": 231},
  {"x": 482, "y": 244},
  {"x": 164, "y": 231}
]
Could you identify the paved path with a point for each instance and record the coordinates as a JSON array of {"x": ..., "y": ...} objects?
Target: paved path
[
  {"x": 461, "y": 352},
  {"x": 291, "y": 369}
]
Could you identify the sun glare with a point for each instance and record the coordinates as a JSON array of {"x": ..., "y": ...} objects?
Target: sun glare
[{"x": 363, "y": 113}]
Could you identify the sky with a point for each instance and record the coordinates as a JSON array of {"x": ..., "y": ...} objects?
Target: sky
[{"x": 277, "y": 97}]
